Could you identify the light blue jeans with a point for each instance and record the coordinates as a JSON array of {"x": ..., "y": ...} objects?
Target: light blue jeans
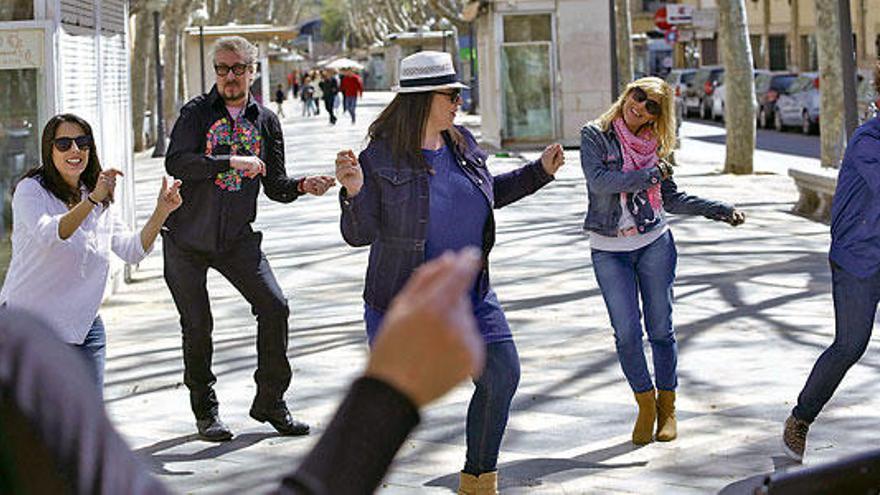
[
  {"x": 93, "y": 351},
  {"x": 647, "y": 274}
]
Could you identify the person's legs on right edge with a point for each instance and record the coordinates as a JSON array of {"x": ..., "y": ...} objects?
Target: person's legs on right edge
[
  {"x": 855, "y": 304},
  {"x": 616, "y": 276},
  {"x": 487, "y": 417},
  {"x": 186, "y": 276}
]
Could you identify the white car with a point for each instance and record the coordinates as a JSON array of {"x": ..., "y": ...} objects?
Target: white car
[{"x": 720, "y": 95}]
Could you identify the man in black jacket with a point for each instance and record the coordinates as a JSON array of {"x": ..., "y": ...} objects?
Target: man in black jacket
[{"x": 223, "y": 146}]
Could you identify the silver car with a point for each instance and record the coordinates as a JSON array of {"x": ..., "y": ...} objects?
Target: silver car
[{"x": 798, "y": 106}]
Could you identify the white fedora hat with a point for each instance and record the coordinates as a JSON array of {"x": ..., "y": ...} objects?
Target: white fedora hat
[{"x": 427, "y": 71}]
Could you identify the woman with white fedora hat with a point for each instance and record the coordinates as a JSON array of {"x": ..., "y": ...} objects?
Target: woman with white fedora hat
[{"x": 422, "y": 188}]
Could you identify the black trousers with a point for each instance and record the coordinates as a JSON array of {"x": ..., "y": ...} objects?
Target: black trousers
[
  {"x": 328, "y": 104},
  {"x": 248, "y": 270}
]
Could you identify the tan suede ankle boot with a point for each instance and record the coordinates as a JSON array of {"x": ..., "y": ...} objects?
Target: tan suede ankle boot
[
  {"x": 467, "y": 484},
  {"x": 667, "y": 427},
  {"x": 484, "y": 484},
  {"x": 643, "y": 432}
]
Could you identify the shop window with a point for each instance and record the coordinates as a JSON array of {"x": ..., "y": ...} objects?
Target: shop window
[
  {"x": 19, "y": 148},
  {"x": 526, "y": 28},
  {"x": 527, "y": 78},
  {"x": 16, "y": 10}
]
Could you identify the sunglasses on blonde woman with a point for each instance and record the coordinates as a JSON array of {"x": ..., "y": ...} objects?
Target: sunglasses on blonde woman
[{"x": 650, "y": 105}]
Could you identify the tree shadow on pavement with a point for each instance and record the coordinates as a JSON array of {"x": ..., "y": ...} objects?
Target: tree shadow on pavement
[{"x": 529, "y": 472}]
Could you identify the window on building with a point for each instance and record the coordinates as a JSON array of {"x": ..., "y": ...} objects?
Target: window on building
[
  {"x": 709, "y": 51},
  {"x": 757, "y": 50},
  {"x": 527, "y": 77},
  {"x": 19, "y": 131},
  {"x": 809, "y": 53},
  {"x": 778, "y": 55},
  {"x": 16, "y": 10},
  {"x": 527, "y": 28}
]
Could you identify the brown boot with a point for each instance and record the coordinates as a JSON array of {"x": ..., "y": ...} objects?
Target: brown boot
[
  {"x": 667, "y": 427},
  {"x": 467, "y": 484},
  {"x": 484, "y": 484},
  {"x": 643, "y": 432}
]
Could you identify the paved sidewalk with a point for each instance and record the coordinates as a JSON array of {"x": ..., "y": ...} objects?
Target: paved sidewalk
[{"x": 753, "y": 311}]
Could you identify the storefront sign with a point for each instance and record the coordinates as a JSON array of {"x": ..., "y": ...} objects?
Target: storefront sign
[
  {"x": 679, "y": 13},
  {"x": 705, "y": 20},
  {"x": 21, "y": 48}
]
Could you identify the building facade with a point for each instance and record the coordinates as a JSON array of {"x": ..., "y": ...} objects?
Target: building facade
[
  {"x": 544, "y": 69},
  {"x": 63, "y": 56}
]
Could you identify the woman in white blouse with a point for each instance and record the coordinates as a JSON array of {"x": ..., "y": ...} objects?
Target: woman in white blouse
[{"x": 63, "y": 229}]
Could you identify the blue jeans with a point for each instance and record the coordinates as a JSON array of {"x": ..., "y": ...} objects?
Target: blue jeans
[
  {"x": 93, "y": 351},
  {"x": 855, "y": 304},
  {"x": 490, "y": 405},
  {"x": 349, "y": 104},
  {"x": 648, "y": 272}
]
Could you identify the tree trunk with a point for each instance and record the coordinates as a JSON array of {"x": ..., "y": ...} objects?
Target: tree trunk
[
  {"x": 739, "y": 111},
  {"x": 624, "y": 43},
  {"x": 830, "y": 82},
  {"x": 169, "y": 73},
  {"x": 795, "y": 62},
  {"x": 140, "y": 56}
]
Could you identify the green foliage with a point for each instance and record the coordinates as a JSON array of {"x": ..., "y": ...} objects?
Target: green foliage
[{"x": 333, "y": 15}]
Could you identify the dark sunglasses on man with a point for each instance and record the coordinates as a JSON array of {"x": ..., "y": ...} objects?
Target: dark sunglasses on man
[
  {"x": 64, "y": 143},
  {"x": 651, "y": 106},
  {"x": 237, "y": 69},
  {"x": 454, "y": 94}
]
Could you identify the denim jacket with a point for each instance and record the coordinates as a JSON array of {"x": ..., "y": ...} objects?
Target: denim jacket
[
  {"x": 602, "y": 161},
  {"x": 390, "y": 213}
]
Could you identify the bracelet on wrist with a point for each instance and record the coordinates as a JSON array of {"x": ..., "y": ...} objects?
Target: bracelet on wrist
[{"x": 92, "y": 201}]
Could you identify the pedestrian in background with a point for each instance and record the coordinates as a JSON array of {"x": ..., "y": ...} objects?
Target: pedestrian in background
[
  {"x": 854, "y": 259},
  {"x": 329, "y": 90},
  {"x": 352, "y": 88},
  {"x": 63, "y": 230},
  {"x": 419, "y": 189},
  {"x": 279, "y": 100},
  {"x": 223, "y": 147},
  {"x": 629, "y": 187}
]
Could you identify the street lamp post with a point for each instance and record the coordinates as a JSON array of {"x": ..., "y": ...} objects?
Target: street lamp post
[
  {"x": 155, "y": 6},
  {"x": 200, "y": 18}
]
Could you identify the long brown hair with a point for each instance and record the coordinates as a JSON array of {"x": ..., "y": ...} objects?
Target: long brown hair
[
  {"x": 49, "y": 176},
  {"x": 402, "y": 126}
]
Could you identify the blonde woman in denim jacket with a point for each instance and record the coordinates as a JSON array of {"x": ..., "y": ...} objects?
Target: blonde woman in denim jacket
[{"x": 630, "y": 189}]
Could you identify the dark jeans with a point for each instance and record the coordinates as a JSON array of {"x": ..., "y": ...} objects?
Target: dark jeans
[
  {"x": 648, "y": 272},
  {"x": 855, "y": 304},
  {"x": 349, "y": 104},
  {"x": 490, "y": 407},
  {"x": 328, "y": 104},
  {"x": 246, "y": 268},
  {"x": 93, "y": 350}
]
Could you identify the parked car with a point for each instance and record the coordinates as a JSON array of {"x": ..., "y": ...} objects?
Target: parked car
[
  {"x": 798, "y": 106},
  {"x": 719, "y": 97},
  {"x": 768, "y": 87},
  {"x": 698, "y": 96},
  {"x": 866, "y": 96},
  {"x": 678, "y": 80}
]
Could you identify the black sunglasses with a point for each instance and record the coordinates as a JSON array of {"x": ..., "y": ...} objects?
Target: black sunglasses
[
  {"x": 64, "y": 143},
  {"x": 237, "y": 69},
  {"x": 453, "y": 95},
  {"x": 650, "y": 105}
]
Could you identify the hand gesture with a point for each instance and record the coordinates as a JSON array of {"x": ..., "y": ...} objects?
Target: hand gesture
[
  {"x": 317, "y": 185},
  {"x": 552, "y": 158},
  {"x": 429, "y": 340},
  {"x": 105, "y": 185},
  {"x": 665, "y": 169},
  {"x": 349, "y": 172},
  {"x": 169, "y": 197},
  {"x": 252, "y": 166},
  {"x": 736, "y": 218}
]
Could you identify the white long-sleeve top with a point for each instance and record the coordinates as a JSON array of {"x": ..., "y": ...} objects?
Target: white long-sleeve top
[{"x": 62, "y": 280}]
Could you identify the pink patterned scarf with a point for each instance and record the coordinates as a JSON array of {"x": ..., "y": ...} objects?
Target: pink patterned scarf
[{"x": 639, "y": 152}]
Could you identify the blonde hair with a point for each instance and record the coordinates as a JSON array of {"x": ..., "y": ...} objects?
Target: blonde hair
[{"x": 663, "y": 125}]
